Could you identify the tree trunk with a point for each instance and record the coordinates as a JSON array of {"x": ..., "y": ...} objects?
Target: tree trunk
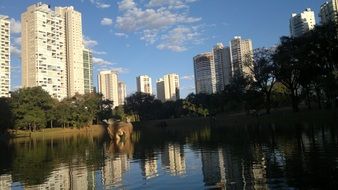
[
  {"x": 318, "y": 98},
  {"x": 307, "y": 95},
  {"x": 51, "y": 124},
  {"x": 268, "y": 103}
]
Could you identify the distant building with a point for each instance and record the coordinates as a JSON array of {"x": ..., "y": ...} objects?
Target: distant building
[
  {"x": 108, "y": 86},
  {"x": 5, "y": 56},
  {"x": 329, "y": 12},
  {"x": 227, "y": 66},
  {"x": 88, "y": 70},
  {"x": 219, "y": 61},
  {"x": 168, "y": 88},
  {"x": 241, "y": 53},
  {"x": 302, "y": 22},
  {"x": 204, "y": 71},
  {"x": 122, "y": 88},
  {"x": 143, "y": 84}
]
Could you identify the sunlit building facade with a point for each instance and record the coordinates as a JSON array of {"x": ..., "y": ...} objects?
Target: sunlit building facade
[
  {"x": 143, "y": 84},
  {"x": 122, "y": 90},
  {"x": 108, "y": 86},
  {"x": 5, "y": 57},
  {"x": 204, "y": 72},
  {"x": 241, "y": 53},
  {"x": 302, "y": 22},
  {"x": 87, "y": 71},
  {"x": 168, "y": 87}
]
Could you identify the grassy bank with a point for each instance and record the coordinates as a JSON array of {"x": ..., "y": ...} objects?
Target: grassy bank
[
  {"x": 58, "y": 132},
  {"x": 278, "y": 117}
]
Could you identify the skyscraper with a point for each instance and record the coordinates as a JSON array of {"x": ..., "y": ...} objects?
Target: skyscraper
[
  {"x": 329, "y": 12},
  {"x": 143, "y": 84},
  {"x": 122, "y": 90},
  {"x": 227, "y": 66},
  {"x": 5, "y": 58},
  {"x": 87, "y": 70},
  {"x": 168, "y": 88},
  {"x": 43, "y": 52},
  {"x": 74, "y": 49},
  {"x": 302, "y": 22},
  {"x": 241, "y": 53},
  {"x": 219, "y": 61},
  {"x": 108, "y": 86},
  {"x": 204, "y": 71}
]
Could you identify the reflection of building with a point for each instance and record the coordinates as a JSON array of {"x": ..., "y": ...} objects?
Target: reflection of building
[
  {"x": 143, "y": 83},
  {"x": 5, "y": 182},
  {"x": 5, "y": 59},
  {"x": 329, "y": 12},
  {"x": 113, "y": 170},
  {"x": 173, "y": 158},
  {"x": 78, "y": 177},
  {"x": 168, "y": 88},
  {"x": 122, "y": 88},
  {"x": 302, "y": 22},
  {"x": 149, "y": 168},
  {"x": 213, "y": 168}
]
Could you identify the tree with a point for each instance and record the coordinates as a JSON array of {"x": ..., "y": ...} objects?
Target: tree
[
  {"x": 139, "y": 104},
  {"x": 6, "y": 116},
  {"x": 263, "y": 69}
]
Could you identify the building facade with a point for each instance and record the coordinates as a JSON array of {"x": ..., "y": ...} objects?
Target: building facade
[
  {"x": 227, "y": 66},
  {"x": 329, "y": 12},
  {"x": 108, "y": 86},
  {"x": 241, "y": 54},
  {"x": 43, "y": 52},
  {"x": 87, "y": 71},
  {"x": 302, "y": 22},
  {"x": 204, "y": 72},
  {"x": 168, "y": 88},
  {"x": 122, "y": 90},
  {"x": 219, "y": 61},
  {"x": 5, "y": 57},
  {"x": 74, "y": 49},
  {"x": 143, "y": 84}
]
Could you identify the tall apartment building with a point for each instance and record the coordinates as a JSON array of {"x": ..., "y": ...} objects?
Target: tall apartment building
[
  {"x": 108, "y": 86},
  {"x": 74, "y": 49},
  {"x": 5, "y": 71},
  {"x": 329, "y": 12},
  {"x": 43, "y": 53},
  {"x": 222, "y": 61},
  {"x": 143, "y": 84},
  {"x": 204, "y": 71},
  {"x": 241, "y": 51},
  {"x": 52, "y": 50},
  {"x": 87, "y": 71},
  {"x": 228, "y": 70},
  {"x": 302, "y": 22},
  {"x": 122, "y": 92},
  {"x": 168, "y": 88}
]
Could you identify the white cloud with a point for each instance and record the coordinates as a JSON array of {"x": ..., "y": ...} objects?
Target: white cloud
[
  {"x": 101, "y": 61},
  {"x": 15, "y": 26},
  {"x": 178, "y": 38},
  {"x": 99, "y": 4},
  {"x": 120, "y": 69},
  {"x": 99, "y": 52},
  {"x": 121, "y": 34},
  {"x": 106, "y": 21},
  {"x": 15, "y": 51},
  {"x": 89, "y": 43},
  {"x": 188, "y": 77},
  {"x": 17, "y": 41},
  {"x": 156, "y": 21}
]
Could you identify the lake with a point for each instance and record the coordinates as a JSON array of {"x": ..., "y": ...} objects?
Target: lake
[{"x": 204, "y": 156}]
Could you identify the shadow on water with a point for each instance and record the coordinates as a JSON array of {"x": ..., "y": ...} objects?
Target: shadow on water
[{"x": 183, "y": 155}]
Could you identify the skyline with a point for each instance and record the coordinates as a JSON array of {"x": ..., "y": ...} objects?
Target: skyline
[{"x": 190, "y": 25}]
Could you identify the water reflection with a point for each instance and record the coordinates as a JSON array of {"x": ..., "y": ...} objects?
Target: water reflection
[{"x": 248, "y": 157}]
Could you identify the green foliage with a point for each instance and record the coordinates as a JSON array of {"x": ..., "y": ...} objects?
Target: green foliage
[{"x": 6, "y": 115}]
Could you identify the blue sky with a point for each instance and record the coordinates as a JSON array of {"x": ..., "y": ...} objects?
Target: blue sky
[{"x": 157, "y": 37}]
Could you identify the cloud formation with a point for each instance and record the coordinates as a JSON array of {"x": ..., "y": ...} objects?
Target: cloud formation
[
  {"x": 99, "y": 4},
  {"x": 158, "y": 22},
  {"x": 89, "y": 43},
  {"x": 101, "y": 61},
  {"x": 106, "y": 21},
  {"x": 15, "y": 26}
]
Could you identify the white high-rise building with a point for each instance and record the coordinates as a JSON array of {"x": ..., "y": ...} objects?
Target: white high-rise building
[
  {"x": 302, "y": 22},
  {"x": 108, "y": 86},
  {"x": 122, "y": 90},
  {"x": 204, "y": 71},
  {"x": 87, "y": 70},
  {"x": 74, "y": 49},
  {"x": 143, "y": 84},
  {"x": 43, "y": 52},
  {"x": 168, "y": 88},
  {"x": 5, "y": 71},
  {"x": 241, "y": 53},
  {"x": 329, "y": 12},
  {"x": 219, "y": 61}
]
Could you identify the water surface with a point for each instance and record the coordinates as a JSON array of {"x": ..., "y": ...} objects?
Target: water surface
[{"x": 302, "y": 156}]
